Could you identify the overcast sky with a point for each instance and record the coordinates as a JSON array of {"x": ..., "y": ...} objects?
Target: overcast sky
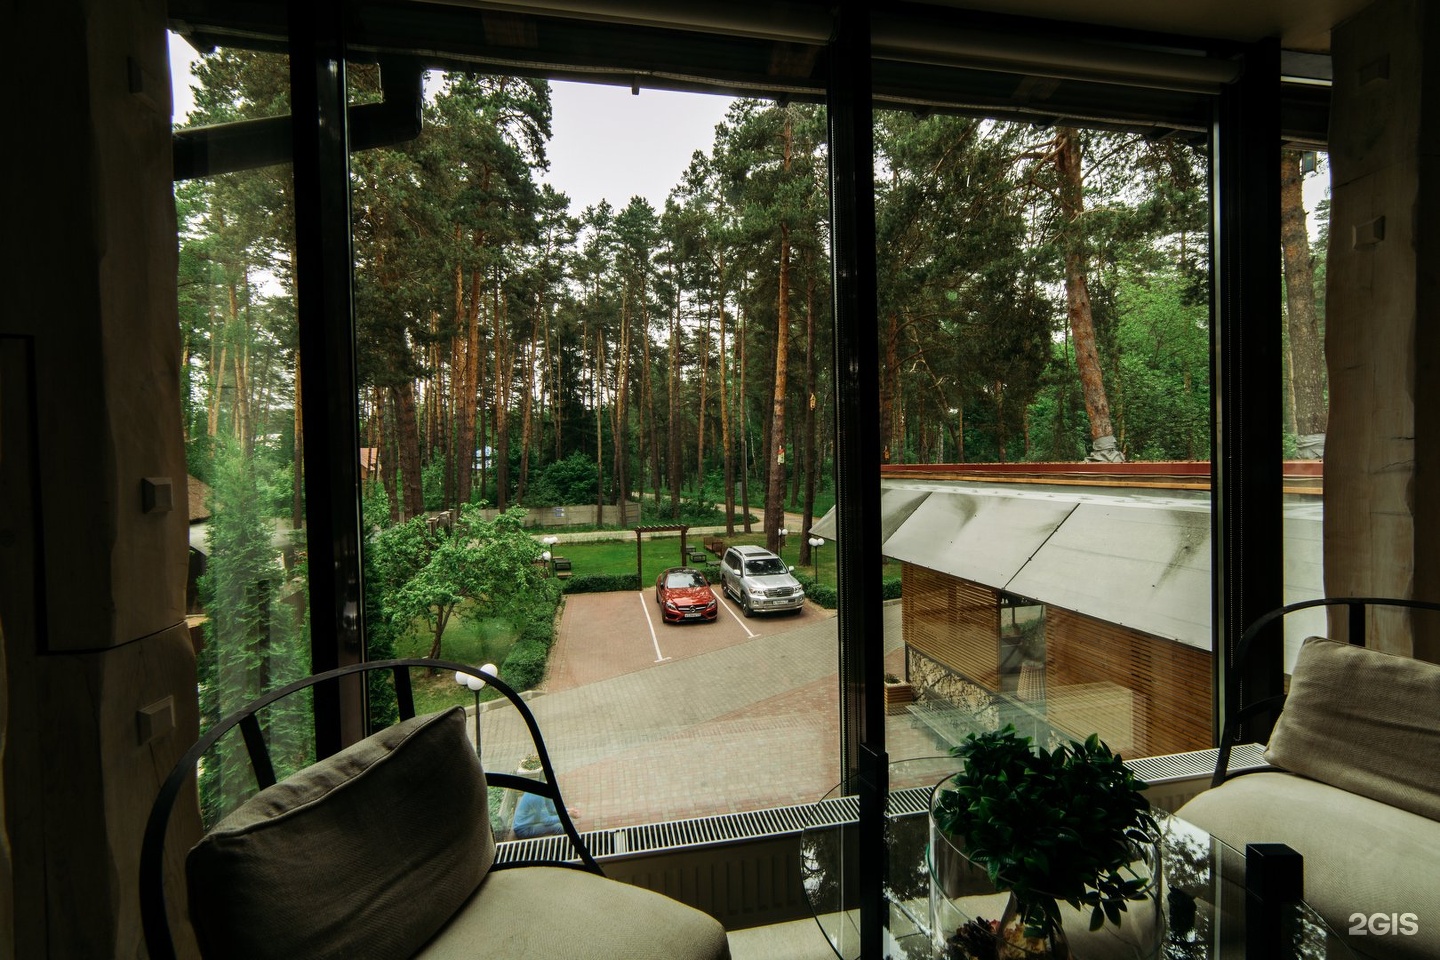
[
  {"x": 612, "y": 145},
  {"x": 608, "y": 144}
]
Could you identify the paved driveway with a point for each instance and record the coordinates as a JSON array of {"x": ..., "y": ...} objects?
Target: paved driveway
[
  {"x": 605, "y": 635},
  {"x": 736, "y": 715}
]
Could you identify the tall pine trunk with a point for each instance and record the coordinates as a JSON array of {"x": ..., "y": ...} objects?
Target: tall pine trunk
[
  {"x": 527, "y": 410},
  {"x": 403, "y": 394},
  {"x": 726, "y": 446},
  {"x": 744, "y": 425},
  {"x": 501, "y": 389},
  {"x": 890, "y": 394},
  {"x": 676, "y": 470},
  {"x": 466, "y": 376},
  {"x": 775, "y": 488},
  {"x": 810, "y": 417},
  {"x": 596, "y": 365},
  {"x": 1077, "y": 296}
]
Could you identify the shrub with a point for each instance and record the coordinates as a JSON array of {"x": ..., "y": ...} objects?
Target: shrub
[
  {"x": 572, "y": 480},
  {"x": 602, "y": 583},
  {"x": 524, "y": 666},
  {"x": 823, "y": 594},
  {"x": 826, "y": 595}
]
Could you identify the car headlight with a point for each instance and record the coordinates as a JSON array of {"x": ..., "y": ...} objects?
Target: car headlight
[{"x": 670, "y": 605}]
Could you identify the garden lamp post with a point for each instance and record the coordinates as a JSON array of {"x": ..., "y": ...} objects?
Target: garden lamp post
[
  {"x": 476, "y": 685},
  {"x": 549, "y": 553},
  {"x": 815, "y": 544}
]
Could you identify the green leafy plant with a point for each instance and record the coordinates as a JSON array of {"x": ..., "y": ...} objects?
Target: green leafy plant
[{"x": 1050, "y": 826}]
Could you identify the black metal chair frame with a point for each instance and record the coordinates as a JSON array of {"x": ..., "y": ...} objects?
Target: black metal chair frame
[
  {"x": 153, "y": 912},
  {"x": 1357, "y": 608}
]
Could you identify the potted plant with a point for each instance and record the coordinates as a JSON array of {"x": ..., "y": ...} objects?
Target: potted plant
[
  {"x": 898, "y": 693},
  {"x": 1047, "y": 827}
]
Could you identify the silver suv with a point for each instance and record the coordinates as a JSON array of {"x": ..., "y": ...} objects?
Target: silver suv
[{"x": 759, "y": 581}]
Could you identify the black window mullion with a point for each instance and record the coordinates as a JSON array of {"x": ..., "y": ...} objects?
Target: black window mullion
[
  {"x": 857, "y": 454},
  {"x": 327, "y": 392},
  {"x": 1247, "y": 459}
]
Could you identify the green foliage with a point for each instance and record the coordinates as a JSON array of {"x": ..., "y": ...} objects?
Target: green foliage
[
  {"x": 822, "y": 594},
  {"x": 524, "y": 666},
  {"x": 827, "y": 595},
  {"x": 375, "y": 507},
  {"x": 1163, "y": 338},
  {"x": 380, "y": 635},
  {"x": 601, "y": 583},
  {"x": 572, "y": 480},
  {"x": 256, "y": 633},
  {"x": 1050, "y": 825},
  {"x": 432, "y": 484},
  {"x": 488, "y": 568}
]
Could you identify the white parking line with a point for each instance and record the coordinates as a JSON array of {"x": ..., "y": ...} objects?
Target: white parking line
[
  {"x": 725, "y": 602},
  {"x": 645, "y": 606}
]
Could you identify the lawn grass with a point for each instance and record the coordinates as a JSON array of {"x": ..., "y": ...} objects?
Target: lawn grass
[{"x": 465, "y": 641}]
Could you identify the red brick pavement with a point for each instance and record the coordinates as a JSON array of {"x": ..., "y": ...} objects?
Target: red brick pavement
[{"x": 776, "y": 751}]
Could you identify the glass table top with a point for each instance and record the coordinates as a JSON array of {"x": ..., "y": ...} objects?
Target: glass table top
[{"x": 1203, "y": 897}]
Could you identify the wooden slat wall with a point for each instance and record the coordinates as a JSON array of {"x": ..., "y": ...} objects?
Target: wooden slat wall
[
  {"x": 1145, "y": 695},
  {"x": 1171, "y": 682},
  {"x": 953, "y": 621}
]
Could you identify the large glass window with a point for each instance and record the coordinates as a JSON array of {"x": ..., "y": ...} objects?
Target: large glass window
[
  {"x": 556, "y": 353},
  {"x": 247, "y": 592},
  {"x": 1044, "y": 351}
]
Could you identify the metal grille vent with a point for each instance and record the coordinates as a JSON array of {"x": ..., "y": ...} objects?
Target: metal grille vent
[
  {"x": 779, "y": 821},
  {"x": 1195, "y": 763}
]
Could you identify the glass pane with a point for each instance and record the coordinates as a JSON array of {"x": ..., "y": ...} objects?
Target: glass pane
[
  {"x": 568, "y": 300},
  {"x": 1305, "y": 234},
  {"x": 1045, "y": 407},
  {"x": 239, "y": 367}
]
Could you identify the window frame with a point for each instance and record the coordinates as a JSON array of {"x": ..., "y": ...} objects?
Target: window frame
[{"x": 1244, "y": 125}]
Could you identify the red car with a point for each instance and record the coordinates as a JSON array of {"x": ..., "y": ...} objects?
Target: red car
[{"x": 684, "y": 594}]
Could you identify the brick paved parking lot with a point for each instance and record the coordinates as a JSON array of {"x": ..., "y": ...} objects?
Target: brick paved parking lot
[
  {"x": 604, "y": 635},
  {"x": 648, "y": 722}
]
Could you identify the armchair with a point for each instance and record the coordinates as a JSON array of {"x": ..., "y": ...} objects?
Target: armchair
[{"x": 385, "y": 850}]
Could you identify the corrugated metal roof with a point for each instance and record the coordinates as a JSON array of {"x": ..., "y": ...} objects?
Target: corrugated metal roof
[{"x": 1141, "y": 560}]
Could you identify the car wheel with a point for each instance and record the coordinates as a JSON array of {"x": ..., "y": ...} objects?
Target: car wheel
[{"x": 745, "y": 605}]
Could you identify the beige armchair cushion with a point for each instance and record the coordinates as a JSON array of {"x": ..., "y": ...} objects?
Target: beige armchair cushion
[
  {"x": 1361, "y": 856},
  {"x": 540, "y": 913},
  {"x": 1364, "y": 721},
  {"x": 365, "y": 854}
]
